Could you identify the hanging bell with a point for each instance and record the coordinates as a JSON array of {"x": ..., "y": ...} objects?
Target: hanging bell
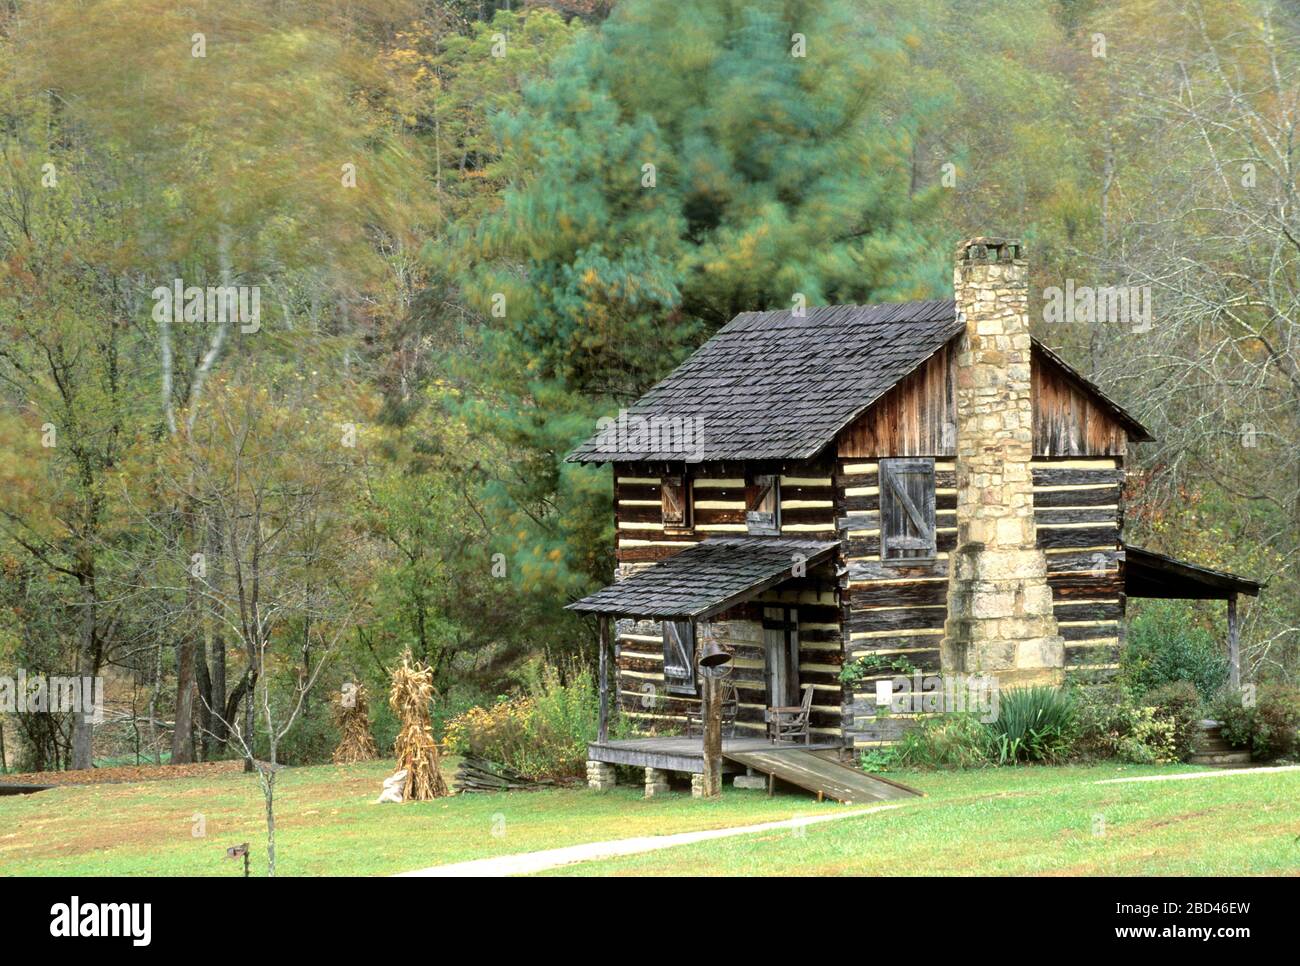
[{"x": 714, "y": 655}]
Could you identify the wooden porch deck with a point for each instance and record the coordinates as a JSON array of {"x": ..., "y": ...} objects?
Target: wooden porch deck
[{"x": 684, "y": 754}]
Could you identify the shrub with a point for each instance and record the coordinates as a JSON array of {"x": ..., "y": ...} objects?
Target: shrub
[
  {"x": 1105, "y": 715},
  {"x": 1268, "y": 728},
  {"x": 879, "y": 759},
  {"x": 1179, "y": 705},
  {"x": 1033, "y": 724},
  {"x": 1111, "y": 724},
  {"x": 945, "y": 741},
  {"x": 1236, "y": 719},
  {"x": 1165, "y": 646},
  {"x": 1150, "y": 740},
  {"x": 1277, "y": 716},
  {"x": 542, "y": 732}
]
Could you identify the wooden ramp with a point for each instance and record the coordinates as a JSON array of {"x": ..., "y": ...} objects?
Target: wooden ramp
[{"x": 818, "y": 771}]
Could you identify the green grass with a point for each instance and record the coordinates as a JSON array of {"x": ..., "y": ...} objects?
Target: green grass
[
  {"x": 327, "y": 824},
  {"x": 1025, "y": 821},
  {"x": 1017, "y": 821}
]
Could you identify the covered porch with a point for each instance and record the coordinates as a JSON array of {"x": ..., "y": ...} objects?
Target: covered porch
[
  {"x": 1156, "y": 575},
  {"x": 702, "y": 587}
]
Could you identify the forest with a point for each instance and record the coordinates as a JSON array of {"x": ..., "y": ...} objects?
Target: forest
[{"x": 303, "y": 303}]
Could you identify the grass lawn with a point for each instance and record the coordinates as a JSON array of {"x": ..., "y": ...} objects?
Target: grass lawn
[
  {"x": 1025, "y": 821},
  {"x": 1003, "y": 821},
  {"x": 327, "y": 824}
]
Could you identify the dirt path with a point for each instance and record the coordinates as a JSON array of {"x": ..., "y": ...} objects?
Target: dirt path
[
  {"x": 1188, "y": 776},
  {"x": 528, "y": 862}
]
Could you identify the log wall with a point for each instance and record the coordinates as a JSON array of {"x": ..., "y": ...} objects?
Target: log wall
[
  {"x": 891, "y": 610},
  {"x": 1078, "y": 512},
  {"x": 898, "y": 612},
  {"x": 717, "y": 498}
]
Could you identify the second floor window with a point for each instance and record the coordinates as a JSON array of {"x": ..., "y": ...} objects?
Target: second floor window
[
  {"x": 907, "y": 524},
  {"x": 676, "y": 502},
  {"x": 763, "y": 505}
]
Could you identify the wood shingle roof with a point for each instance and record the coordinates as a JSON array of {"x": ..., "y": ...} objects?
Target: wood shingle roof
[
  {"x": 706, "y": 578},
  {"x": 770, "y": 385}
]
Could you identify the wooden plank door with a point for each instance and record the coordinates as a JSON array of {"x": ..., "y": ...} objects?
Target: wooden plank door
[{"x": 781, "y": 655}]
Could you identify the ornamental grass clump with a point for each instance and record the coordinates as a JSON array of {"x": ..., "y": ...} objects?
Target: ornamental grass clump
[{"x": 1033, "y": 724}]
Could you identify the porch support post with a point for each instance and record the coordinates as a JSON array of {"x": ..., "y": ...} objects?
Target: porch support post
[
  {"x": 712, "y": 779},
  {"x": 1234, "y": 645},
  {"x": 602, "y": 729}
]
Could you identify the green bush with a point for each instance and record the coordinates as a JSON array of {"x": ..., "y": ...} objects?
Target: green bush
[
  {"x": 1277, "y": 716},
  {"x": 880, "y": 759},
  {"x": 1268, "y": 728},
  {"x": 1104, "y": 716},
  {"x": 1237, "y": 720},
  {"x": 1111, "y": 724},
  {"x": 1178, "y": 704},
  {"x": 1165, "y": 645},
  {"x": 945, "y": 741},
  {"x": 542, "y": 732},
  {"x": 1032, "y": 724}
]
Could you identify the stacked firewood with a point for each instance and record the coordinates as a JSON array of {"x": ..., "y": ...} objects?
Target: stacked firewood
[{"x": 480, "y": 775}]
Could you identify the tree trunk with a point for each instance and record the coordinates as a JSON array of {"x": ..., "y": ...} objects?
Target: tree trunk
[
  {"x": 218, "y": 677},
  {"x": 203, "y": 683},
  {"x": 268, "y": 791},
  {"x": 155, "y": 690},
  {"x": 217, "y": 643},
  {"x": 83, "y": 725},
  {"x": 249, "y": 719},
  {"x": 183, "y": 735}
]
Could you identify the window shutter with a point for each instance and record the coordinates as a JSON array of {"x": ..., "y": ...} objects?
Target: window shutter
[
  {"x": 907, "y": 521},
  {"x": 676, "y": 506},
  {"x": 679, "y": 657},
  {"x": 762, "y": 505}
]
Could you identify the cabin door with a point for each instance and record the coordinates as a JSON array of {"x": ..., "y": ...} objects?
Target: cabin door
[{"x": 781, "y": 655}]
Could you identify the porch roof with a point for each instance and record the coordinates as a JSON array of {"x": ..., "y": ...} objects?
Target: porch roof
[
  {"x": 1151, "y": 574},
  {"x": 707, "y": 578}
]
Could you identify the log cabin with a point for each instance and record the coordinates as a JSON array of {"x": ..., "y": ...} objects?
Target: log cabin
[{"x": 924, "y": 485}]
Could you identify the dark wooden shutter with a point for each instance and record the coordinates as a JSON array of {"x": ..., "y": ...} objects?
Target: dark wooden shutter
[
  {"x": 679, "y": 657},
  {"x": 907, "y": 526},
  {"x": 676, "y": 505},
  {"x": 762, "y": 505}
]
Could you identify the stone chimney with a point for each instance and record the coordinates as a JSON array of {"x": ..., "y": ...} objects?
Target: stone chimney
[{"x": 999, "y": 605}]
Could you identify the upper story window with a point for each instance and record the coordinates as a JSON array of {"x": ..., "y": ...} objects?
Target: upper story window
[
  {"x": 675, "y": 492},
  {"x": 763, "y": 504},
  {"x": 907, "y": 524}
]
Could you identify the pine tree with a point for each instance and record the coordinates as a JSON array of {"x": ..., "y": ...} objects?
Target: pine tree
[{"x": 682, "y": 164}]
